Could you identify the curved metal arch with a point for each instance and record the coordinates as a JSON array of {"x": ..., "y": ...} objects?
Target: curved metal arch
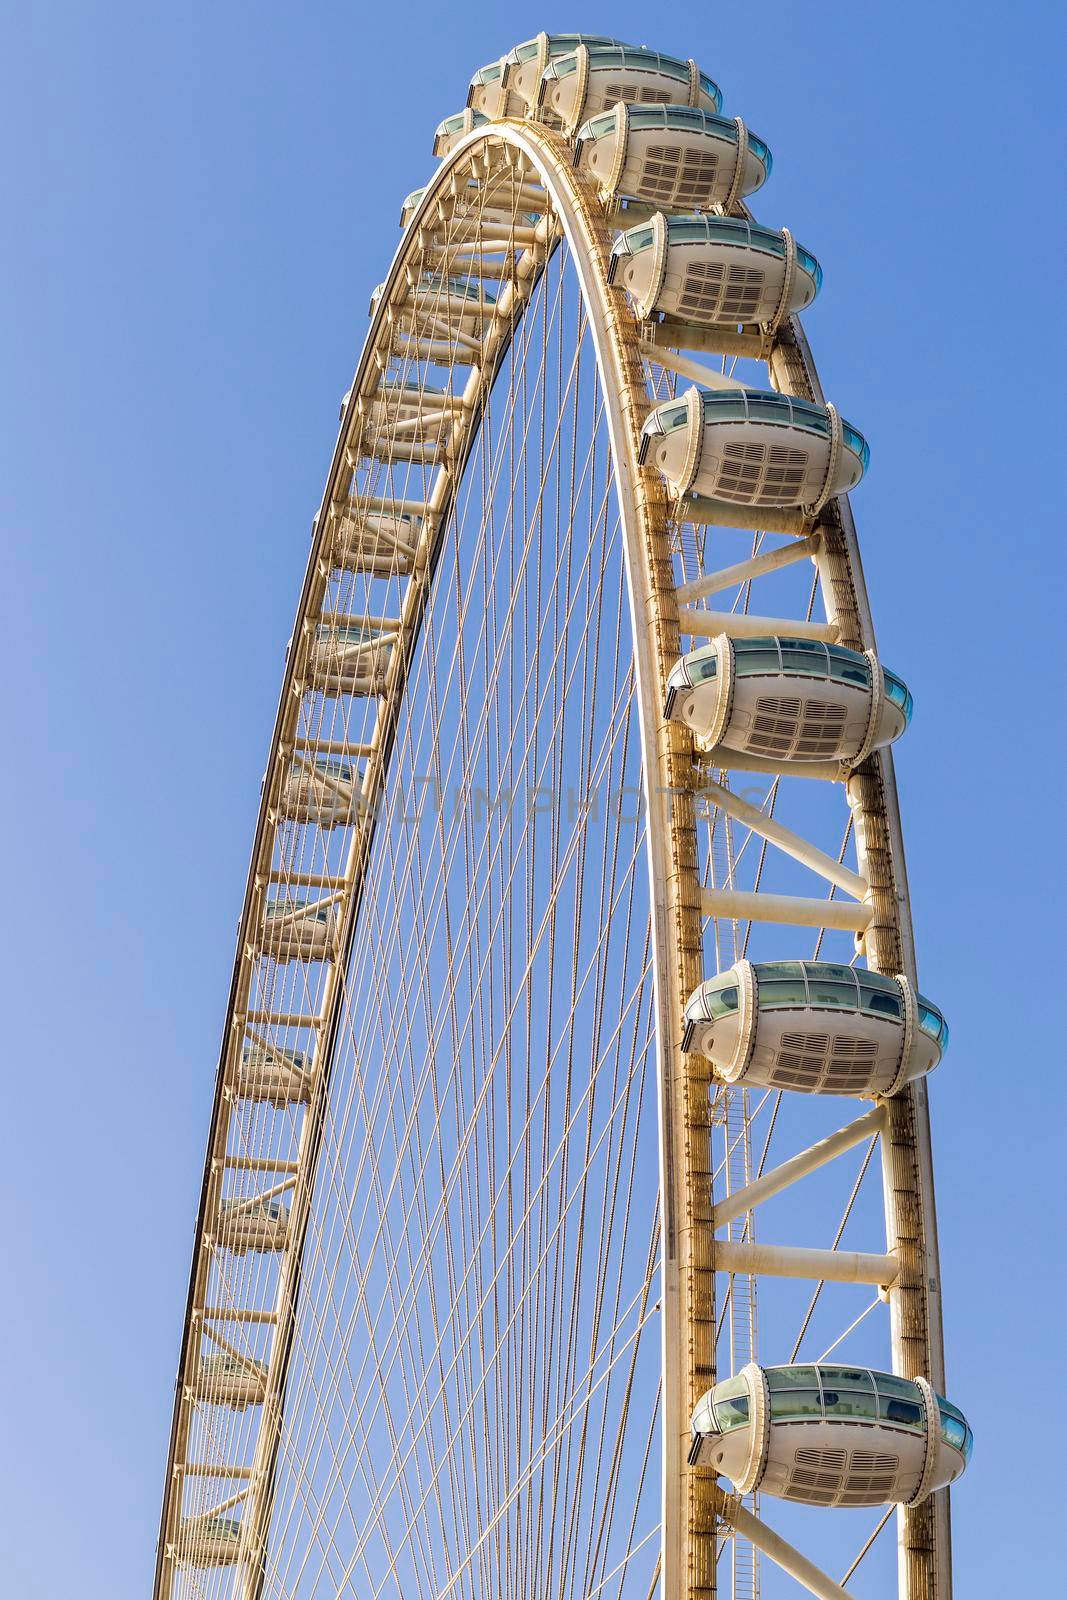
[{"x": 692, "y": 1502}]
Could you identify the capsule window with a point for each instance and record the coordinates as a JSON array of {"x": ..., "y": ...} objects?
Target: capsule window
[
  {"x": 846, "y": 669},
  {"x": 721, "y": 1002},
  {"x": 731, "y": 1413},
  {"x": 703, "y": 669},
  {"x": 791, "y": 1404},
  {"x": 753, "y": 663},
  {"x": 851, "y": 1403},
  {"x": 835, "y": 996},
  {"x": 897, "y": 691},
  {"x": 847, "y": 1378},
  {"x": 879, "y": 1004},
  {"x": 726, "y": 408},
  {"x": 954, "y": 1432},
  {"x": 791, "y": 1378},
  {"x": 930, "y": 1021},
  {"x": 903, "y": 1388},
  {"x": 905, "y": 1413},
  {"x": 768, "y": 408},
  {"x": 809, "y": 666},
  {"x": 779, "y": 969},
  {"x": 781, "y": 993}
]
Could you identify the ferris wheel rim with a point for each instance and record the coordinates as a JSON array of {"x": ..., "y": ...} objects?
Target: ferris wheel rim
[{"x": 621, "y": 381}]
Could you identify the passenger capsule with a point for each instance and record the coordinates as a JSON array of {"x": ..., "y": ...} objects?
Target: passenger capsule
[
  {"x": 410, "y": 206},
  {"x": 788, "y": 699},
  {"x": 209, "y": 1541},
  {"x": 274, "y": 1076},
  {"x": 255, "y": 1224},
  {"x": 453, "y": 129},
  {"x": 349, "y": 658},
  {"x": 464, "y": 302},
  {"x": 594, "y": 77},
  {"x": 815, "y": 1027},
  {"x": 487, "y": 93},
  {"x": 322, "y": 791},
  {"x": 713, "y": 270},
  {"x": 223, "y": 1380},
  {"x": 672, "y": 156},
  {"x": 751, "y": 447},
  {"x": 830, "y": 1436},
  {"x": 524, "y": 66},
  {"x": 295, "y": 929}
]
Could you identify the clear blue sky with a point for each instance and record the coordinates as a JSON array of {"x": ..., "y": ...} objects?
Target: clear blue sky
[{"x": 197, "y": 201}]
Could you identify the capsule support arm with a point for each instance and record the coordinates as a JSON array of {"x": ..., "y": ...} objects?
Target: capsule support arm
[
  {"x": 810, "y": 1160},
  {"x": 792, "y": 1261},
  {"x": 783, "y": 1554},
  {"x": 791, "y": 843}
]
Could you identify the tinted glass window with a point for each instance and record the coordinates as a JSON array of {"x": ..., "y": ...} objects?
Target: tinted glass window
[
  {"x": 851, "y": 1403},
  {"x": 954, "y": 1432},
  {"x": 701, "y": 668},
  {"x": 731, "y": 1413},
  {"x": 903, "y": 1412},
  {"x": 879, "y": 1004},
  {"x": 779, "y": 969},
  {"x": 810, "y": 666},
  {"x": 795, "y": 1403},
  {"x": 777, "y": 992},
  {"x": 791, "y": 1378},
  {"x": 722, "y": 1002},
  {"x": 840, "y": 996},
  {"x": 847, "y": 1378},
  {"x": 751, "y": 663}
]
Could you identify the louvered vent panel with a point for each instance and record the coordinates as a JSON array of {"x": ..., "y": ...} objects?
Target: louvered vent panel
[
  {"x": 755, "y": 473},
  {"x": 644, "y": 96},
  {"x": 775, "y": 724},
  {"x": 801, "y": 1059},
  {"x": 817, "y": 1476},
  {"x": 850, "y": 1066},
  {"x": 720, "y": 293},
  {"x": 678, "y": 176},
  {"x": 820, "y": 731}
]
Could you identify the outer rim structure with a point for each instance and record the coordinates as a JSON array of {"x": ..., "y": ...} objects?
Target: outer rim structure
[{"x": 693, "y": 1504}]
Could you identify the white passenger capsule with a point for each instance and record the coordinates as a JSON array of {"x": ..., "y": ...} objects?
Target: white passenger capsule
[
  {"x": 223, "y": 1380},
  {"x": 410, "y": 206},
  {"x": 349, "y": 658},
  {"x": 487, "y": 93},
  {"x": 671, "y": 156},
  {"x": 320, "y": 789},
  {"x": 272, "y": 1075},
  {"x": 209, "y": 1541},
  {"x": 751, "y": 447},
  {"x": 714, "y": 270},
  {"x": 577, "y": 86},
  {"x": 788, "y": 699},
  {"x": 255, "y": 1224},
  {"x": 830, "y": 1436},
  {"x": 453, "y": 129},
  {"x": 295, "y": 929},
  {"x": 814, "y": 1027},
  {"x": 524, "y": 65}
]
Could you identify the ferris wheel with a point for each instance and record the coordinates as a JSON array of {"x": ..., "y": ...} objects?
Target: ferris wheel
[{"x": 567, "y": 1226}]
